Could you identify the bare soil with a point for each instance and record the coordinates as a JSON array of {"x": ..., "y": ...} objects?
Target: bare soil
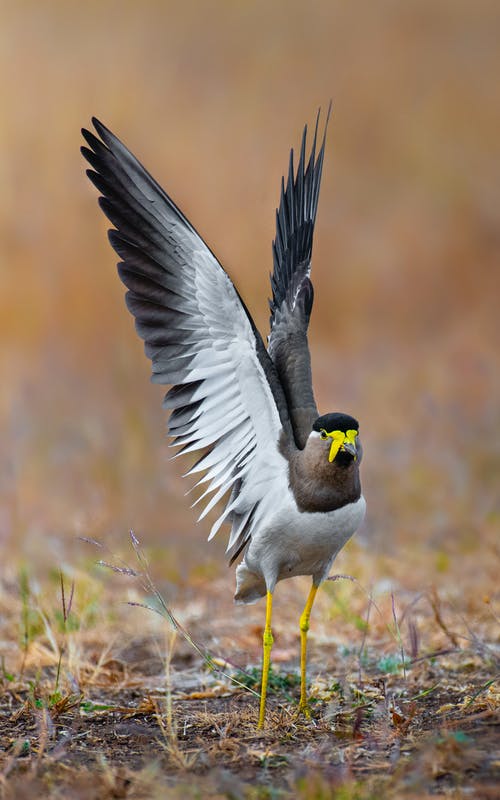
[{"x": 431, "y": 732}]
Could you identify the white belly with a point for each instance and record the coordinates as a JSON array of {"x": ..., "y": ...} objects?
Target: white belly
[{"x": 295, "y": 543}]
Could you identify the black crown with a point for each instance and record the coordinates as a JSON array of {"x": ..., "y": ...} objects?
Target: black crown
[{"x": 336, "y": 422}]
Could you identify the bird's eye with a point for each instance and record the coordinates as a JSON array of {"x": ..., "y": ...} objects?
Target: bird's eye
[{"x": 323, "y": 434}]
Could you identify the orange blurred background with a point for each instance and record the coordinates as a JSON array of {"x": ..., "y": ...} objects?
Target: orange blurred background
[{"x": 405, "y": 331}]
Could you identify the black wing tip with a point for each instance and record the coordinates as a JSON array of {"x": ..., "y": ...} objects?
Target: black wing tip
[
  {"x": 106, "y": 137},
  {"x": 315, "y": 137},
  {"x": 296, "y": 215},
  {"x": 296, "y": 178},
  {"x": 100, "y": 127},
  {"x": 328, "y": 113},
  {"x": 89, "y": 137}
]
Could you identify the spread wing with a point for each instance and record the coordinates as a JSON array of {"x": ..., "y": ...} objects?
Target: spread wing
[
  {"x": 292, "y": 289},
  {"x": 225, "y": 398}
]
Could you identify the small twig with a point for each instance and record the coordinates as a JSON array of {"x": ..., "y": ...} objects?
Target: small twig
[
  {"x": 63, "y": 599},
  {"x": 340, "y": 577},
  {"x": 365, "y": 632},
  {"x": 479, "y": 646},
  {"x": 358, "y": 583},
  {"x": 426, "y": 692},
  {"x": 410, "y": 606},
  {"x": 435, "y": 654},
  {"x": 120, "y": 570},
  {"x": 413, "y": 634},
  {"x": 435, "y": 604},
  {"x": 398, "y": 634},
  {"x": 172, "y": 728},
  {"x": 481, "y": 689}
]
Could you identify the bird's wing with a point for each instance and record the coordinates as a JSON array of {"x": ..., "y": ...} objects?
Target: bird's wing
[
  {"x": 292, "y": 289},
  {"x": 225, "y": 398}
]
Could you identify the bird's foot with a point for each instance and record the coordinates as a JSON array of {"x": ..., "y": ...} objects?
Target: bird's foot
[{"x": 304, "y": 709}]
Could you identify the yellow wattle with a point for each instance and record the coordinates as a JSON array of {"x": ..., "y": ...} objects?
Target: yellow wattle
[{"x": 338, "y": 438}]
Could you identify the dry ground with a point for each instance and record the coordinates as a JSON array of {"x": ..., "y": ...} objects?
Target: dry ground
[
  {"x": 97, "y": 699},
  {"x": 102, "y": 699}
]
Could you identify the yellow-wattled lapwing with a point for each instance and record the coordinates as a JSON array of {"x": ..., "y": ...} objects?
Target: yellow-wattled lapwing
[{"x": 291, "y": 475}]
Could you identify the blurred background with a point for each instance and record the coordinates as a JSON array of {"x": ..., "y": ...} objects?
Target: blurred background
[{"x": 404, "y": 333}]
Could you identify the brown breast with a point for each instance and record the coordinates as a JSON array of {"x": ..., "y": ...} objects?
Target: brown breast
[{"x": 319, "y": 485}]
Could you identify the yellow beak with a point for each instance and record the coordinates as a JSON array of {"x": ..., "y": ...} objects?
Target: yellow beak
[{"x": 342, "y": 441}]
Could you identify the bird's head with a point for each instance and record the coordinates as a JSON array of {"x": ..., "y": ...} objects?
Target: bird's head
[{"x": 338, "y": 435}]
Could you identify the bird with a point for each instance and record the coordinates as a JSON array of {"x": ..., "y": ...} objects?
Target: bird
[{"x": 289, "y": 475}]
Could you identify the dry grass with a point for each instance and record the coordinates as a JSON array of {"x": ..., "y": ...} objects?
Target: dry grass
[
  {"x": 97, "y": 699},
  {"x": 408, "y": 708}
]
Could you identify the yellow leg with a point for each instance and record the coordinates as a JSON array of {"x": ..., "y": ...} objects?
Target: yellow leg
[
  {"x": 266, "y": 658},
  {"x": 304, "y": 627}
]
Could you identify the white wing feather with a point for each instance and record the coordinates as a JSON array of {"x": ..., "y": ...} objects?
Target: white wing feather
[{"x": 199, "y": 338}]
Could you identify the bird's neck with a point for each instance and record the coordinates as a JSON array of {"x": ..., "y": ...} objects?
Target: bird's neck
[{"x": 318, "y": 485}]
